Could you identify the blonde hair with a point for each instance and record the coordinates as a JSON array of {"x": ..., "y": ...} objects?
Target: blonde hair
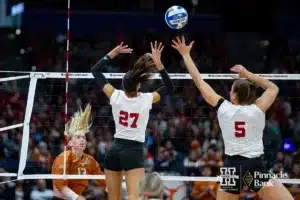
[
  {"x": 151, "y": 187},
  {"x": 79, "y": 122}
]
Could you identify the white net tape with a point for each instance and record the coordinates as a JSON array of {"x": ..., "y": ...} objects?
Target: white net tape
[
  {"x": 34, "y": 76},
  {"x": 155, "y": 76}
]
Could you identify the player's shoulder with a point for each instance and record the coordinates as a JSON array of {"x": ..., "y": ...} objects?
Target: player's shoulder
[
  {"x": 116, "y": 92},
  {"x": 88, "y": 156},
  {"x": 88, "y": 159},
  {"x": 146, "y": 94},
  {"x": 256, "y": 109},
  {"x": 59, "y": 160},
  {"x": 223, "y": 104},
  {"x": 61, "y": 155}
]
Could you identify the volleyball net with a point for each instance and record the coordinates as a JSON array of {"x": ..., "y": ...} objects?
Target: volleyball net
[{"x": 179, "y": 123}]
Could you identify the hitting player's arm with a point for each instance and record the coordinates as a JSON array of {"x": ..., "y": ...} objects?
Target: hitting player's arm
[
  {"x": 168, "y": 85},
  {"x": 102, "y": 82},
  {"x": 207, "y": 92},
  {"x": 270, "y": 94},
  {"x": 60, "y": 184}
]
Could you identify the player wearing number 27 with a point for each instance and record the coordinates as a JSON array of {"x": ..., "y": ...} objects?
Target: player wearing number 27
[
  {"x": 130, "y": 110},
  {"x": 242, "y": 121}
]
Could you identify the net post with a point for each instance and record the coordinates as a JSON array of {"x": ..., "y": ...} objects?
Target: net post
[{"x": 26, "y": 124}]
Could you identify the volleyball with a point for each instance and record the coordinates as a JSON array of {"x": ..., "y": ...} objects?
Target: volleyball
[{"x": 176, "y": 17}]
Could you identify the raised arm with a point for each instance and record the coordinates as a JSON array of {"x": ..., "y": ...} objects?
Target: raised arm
[
  {"x": 271, "y": 90},
  {"x": 168, "y": 85},
  {"x": 102, "y": 82},
  {"x": 210, "y": 96}
]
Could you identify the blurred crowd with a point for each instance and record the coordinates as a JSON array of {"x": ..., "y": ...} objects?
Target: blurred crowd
[{"x": 183, "y": 136}]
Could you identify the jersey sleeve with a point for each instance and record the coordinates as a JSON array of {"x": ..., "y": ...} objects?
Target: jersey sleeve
[
  {"x": 259, "y": 111},
  {"x": 114, "y": 97},
  {"x": 222, "y": 105},
  {"x": 57, "y": 168},
  {"x": 97, "y": 171}
]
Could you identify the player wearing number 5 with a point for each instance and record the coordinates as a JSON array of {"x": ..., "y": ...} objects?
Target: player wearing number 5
[
  {"x": 242, "y": 121},
  {"x": 130, "y": 110}
]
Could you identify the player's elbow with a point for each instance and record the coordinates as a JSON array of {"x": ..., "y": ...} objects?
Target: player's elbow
[
  {"x": 170, "y": 88},
  {"x": 94, "y": 71},
  {"x": 272, "y": 86},
  {"x": 274, "y": 89}
]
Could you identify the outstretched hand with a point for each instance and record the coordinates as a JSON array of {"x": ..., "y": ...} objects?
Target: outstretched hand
[
  {"x": 123, "y": 49},
  {"x": 241, "y": 70},
  {"x": 181, "y": 47},
  {"x": 119, "y": 49},
  {"x": 156, "y": 50}
]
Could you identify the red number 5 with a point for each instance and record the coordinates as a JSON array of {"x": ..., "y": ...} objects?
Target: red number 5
[
  {"x": 124, "y": 116},
  {"x": 239, "y": 128}
]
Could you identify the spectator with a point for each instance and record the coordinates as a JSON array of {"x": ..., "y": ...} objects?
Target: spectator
[
  {"x": 205, "y": 190},
  {"x": 40, "y": 192},
  {"x": 192, "y": 164}
]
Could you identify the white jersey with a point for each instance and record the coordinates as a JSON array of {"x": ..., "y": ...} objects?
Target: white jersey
[
  {"x": 242, "y": 129},
  {"x": 131, "y": 115}
]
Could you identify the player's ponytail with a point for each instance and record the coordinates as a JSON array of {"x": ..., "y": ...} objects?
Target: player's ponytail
[
  {"x": 245, "y": 91},
  {"x": 141, "y": 72},
  {"x": 142, "y": 69}
]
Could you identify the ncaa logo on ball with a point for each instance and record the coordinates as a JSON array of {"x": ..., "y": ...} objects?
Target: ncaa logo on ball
[{"x": 176, "y": 17}]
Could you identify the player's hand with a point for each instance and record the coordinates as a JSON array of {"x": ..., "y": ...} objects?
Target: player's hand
[
  {"x": 241, "y": 70},
  {"x": 122, "y": 49},
  {"x": 181, "y": 47},
  {"x": 119, "y": 49},
  {"x": 80, "y": 198},
  {"x": 156, "y": 50}
]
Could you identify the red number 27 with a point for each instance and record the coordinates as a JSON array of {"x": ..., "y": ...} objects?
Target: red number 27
[
  {"x": 239, "y": 129},
  {"x": 124, "y": 116}
]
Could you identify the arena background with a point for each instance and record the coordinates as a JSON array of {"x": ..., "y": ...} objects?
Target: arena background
[{"x": 183, "y": 137}]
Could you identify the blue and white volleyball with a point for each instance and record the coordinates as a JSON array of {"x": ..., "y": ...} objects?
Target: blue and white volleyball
[{"x": 176, "y": 17}]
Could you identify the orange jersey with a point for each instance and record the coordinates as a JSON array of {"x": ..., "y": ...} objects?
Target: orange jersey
[
  {"x": 201, "y": 189},
  {"x": 87, "y": 165}
]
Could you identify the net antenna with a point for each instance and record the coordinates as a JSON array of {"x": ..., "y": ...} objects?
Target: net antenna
[{"x": 67, "y": 86}]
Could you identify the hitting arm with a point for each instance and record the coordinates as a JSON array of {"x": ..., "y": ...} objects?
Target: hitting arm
[
  {"x": 102, "y": 82},
  {"x": 207, "y": 92},
  {"x": 168, "y": 85},
  {"x": 270, "y": 93}
]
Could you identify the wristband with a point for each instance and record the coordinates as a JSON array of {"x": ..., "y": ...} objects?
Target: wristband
[{"x": 70, "y": 193}]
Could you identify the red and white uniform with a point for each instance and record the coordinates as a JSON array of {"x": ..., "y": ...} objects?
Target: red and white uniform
[
  {"x": 131, "y": 115},
  {"x": 242, "y": 129}
]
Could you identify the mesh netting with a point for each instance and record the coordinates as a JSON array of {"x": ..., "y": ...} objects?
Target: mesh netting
[{"x": 183, "y": 139}]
